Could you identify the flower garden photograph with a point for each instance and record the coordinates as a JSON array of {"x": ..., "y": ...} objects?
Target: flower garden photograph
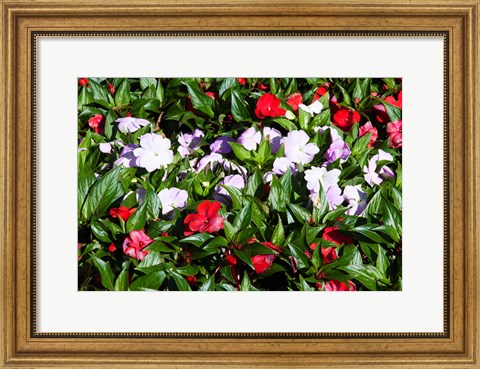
[{"x": 239, "y": 184}]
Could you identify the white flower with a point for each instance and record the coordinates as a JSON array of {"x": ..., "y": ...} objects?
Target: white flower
[
  {"x": 250, "y": 139},
  {"x": 172, "y": 198},
  {"x": 357, "y": 199},
  {"x": 314, "y": 108},
  {"x": 317, "y": 177},
  {"x": 154, "y": 152}
]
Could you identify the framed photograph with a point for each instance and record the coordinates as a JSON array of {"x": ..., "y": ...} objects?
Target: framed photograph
[{"x": 208, "y": 184}]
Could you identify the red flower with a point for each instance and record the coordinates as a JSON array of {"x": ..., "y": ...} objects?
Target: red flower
[
  {"x": 271, "y": 246},
  {"x": 207, "y": 219},
  {"x": 231, "y": 260},
  {"x": 97, "y": 123},
  {"x": 319, "y": 93},
  {"x": 366, "y": 128},
  {"x": 134, "y": 245},
  {"x": 332, "y": 234},
  {"x": 268, "y": 105},
  {"x": 391, "y": 100},
  {"x": 262, "y": 263},
  {"x": 262, "y": 87},
  {"x": 122, "y": 212},
  {"x": 112, "y": 247},
  {"x": 394, "y": 130},
  {"x": 329, "y": 254},
  {"x": 83, "y": 82},
  {"x": 380, "y": 113},
  {"x": 345, "y": 118},
  {"x": 111, "y": 89},
  {"x": 295, "y": 100},
  {"x": 242, "y": 81},
  {"x": 340, "y": 286}
]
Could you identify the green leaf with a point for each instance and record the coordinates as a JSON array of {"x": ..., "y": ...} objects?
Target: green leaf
[
  {"x": 300, "y": 213},
  {"x": 85, "y": 180},
  {"x": 365, "y": 274},
  {"x": 240, "y": 110},
  {"x": 366, "y": 231},
  {"x": 159, "y": 246},
  {"x": 391, "y": 216},
  {"x": 151, "y": 281},
  {"x": 277, "y": 196},
  {"x": 286, "y": 182},
  {"x": 229, "y": 230},
  {"x": 181, "y": 283},
  {"x": 121, "y": 284},
  {"x": 393, "y": 112},
  {"x": 240, "y": 152},
  {"x": 285, "y": 123},
  {"x": 160, "y": 93},
  {"x": 302, "y": 259},
  {"x": 103, "y": 193},
  {"x": 279, "y": 233},
  {"x": 227, "y": 84},
  {"x": 362, "y": 88},
  {"x": 209, "y": 284},
  {"x": 235, "y": 195},
  {"x": 254, "y": 182},
  {"x": 244, "y": 255},
  {"x": 197, "y": 239},
  {"x": 152, "y": 262},
  {"x": 146, "y": 82},
  {"x": 246, "y": 283},
  {"x": 264, "y": 152},
  {"x": 99, "y": 92},
  {"x": 100, "y": 232},
  {"x": 303, "y": 119},
  {"x": 138, "y": 219},
  {"x": 122, "y": 94},
  {"x": 382, "y": 263},
  {"x": 243, "y": 218},
  {"x": 106, "y": 273},
  {"x": 200, "y": 101}
]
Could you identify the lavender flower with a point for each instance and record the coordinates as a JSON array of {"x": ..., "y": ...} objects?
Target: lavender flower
[
  {"x": 334, "y": 197},
  {"x": 234, "y": 180},
  {"x": 356, "y": 198},
  {"x": 127, "y": 158},
  {"x": 210, "y": 160},
  {"x": 337, "y": 150},
  {"x": 250, "y": 139},
  {"x": 371, "y": 176},
  {"x": 172, "y": 198},
  {"x": 189, "y": 142},
  {"x": 130, "y": 124},
  {"x": 281, "y": 165},
  {"x": 297, "y": 148},
  {"x": 221, "y": 145},
  {"x": 106, "y": 147},
  {"x": 154, "y": 152},
  {"x": 274, "y": 137}
]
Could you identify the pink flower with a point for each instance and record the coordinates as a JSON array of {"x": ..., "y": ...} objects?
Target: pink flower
[
  {"x": 135, "y": 244},
  {"x": 367, "y": 128},
  {"x": 394, "y": 130},
  {"x": 97, "y": 122},
  {"x": 340, "y": 286}
]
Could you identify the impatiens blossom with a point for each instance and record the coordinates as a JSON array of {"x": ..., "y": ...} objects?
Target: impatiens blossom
[
  {"x": 333, "y": 132},
  {"x": 172, "y": 198},
  {"x": 332, "y": 234},
  {"x": 395, "y": 102},
  {"x": 356, "y": 198},
  {"x": 394, "y": 130},
  {"x": 312, "y": 109},
  {"x": 340, "y": 286},
  {"x": 231, "y": 166},
  {"x": 345, "y": 118},
  {"x": 189, "y": 142},
  {"x": 294, "y": 100},
  {"x": 274, "y": 137},
  {"x": 210, "y": 160},
  {"x": 221, "y": 145},
  {"x": 337, "y": 150},
  {"x": 130, "y": 124},
  {"x": 122, "y": 212},
  {"x": 268, "y": 105},
  {"x": 234, "y": 180},
  {"x": 317, "y": 177},
  {"x": 334, "y": 197},
  {"x": 134, "y": 244},
  {"x": 368, "y": 128},
  {"x": 297, "y": 148},
  {"x": 281, "y": 165},
  {"x": 262, "y": 263},
  {"x": 97, "y": 123},
  {"x": 127, "y": 158},
  {"x": 371, "y": 176},
  {"x": 329, "y": 254},
  {"x": 154, "y": 152},
  {"x": 250, "y": 139},
  {"x": 205, "y": 220},
  {"x": 321, "y": 90},
  {"x": 106, "y": 147}
]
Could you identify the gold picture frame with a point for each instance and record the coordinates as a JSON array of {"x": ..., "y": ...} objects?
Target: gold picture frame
[{"x": 22, "y": 22}]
